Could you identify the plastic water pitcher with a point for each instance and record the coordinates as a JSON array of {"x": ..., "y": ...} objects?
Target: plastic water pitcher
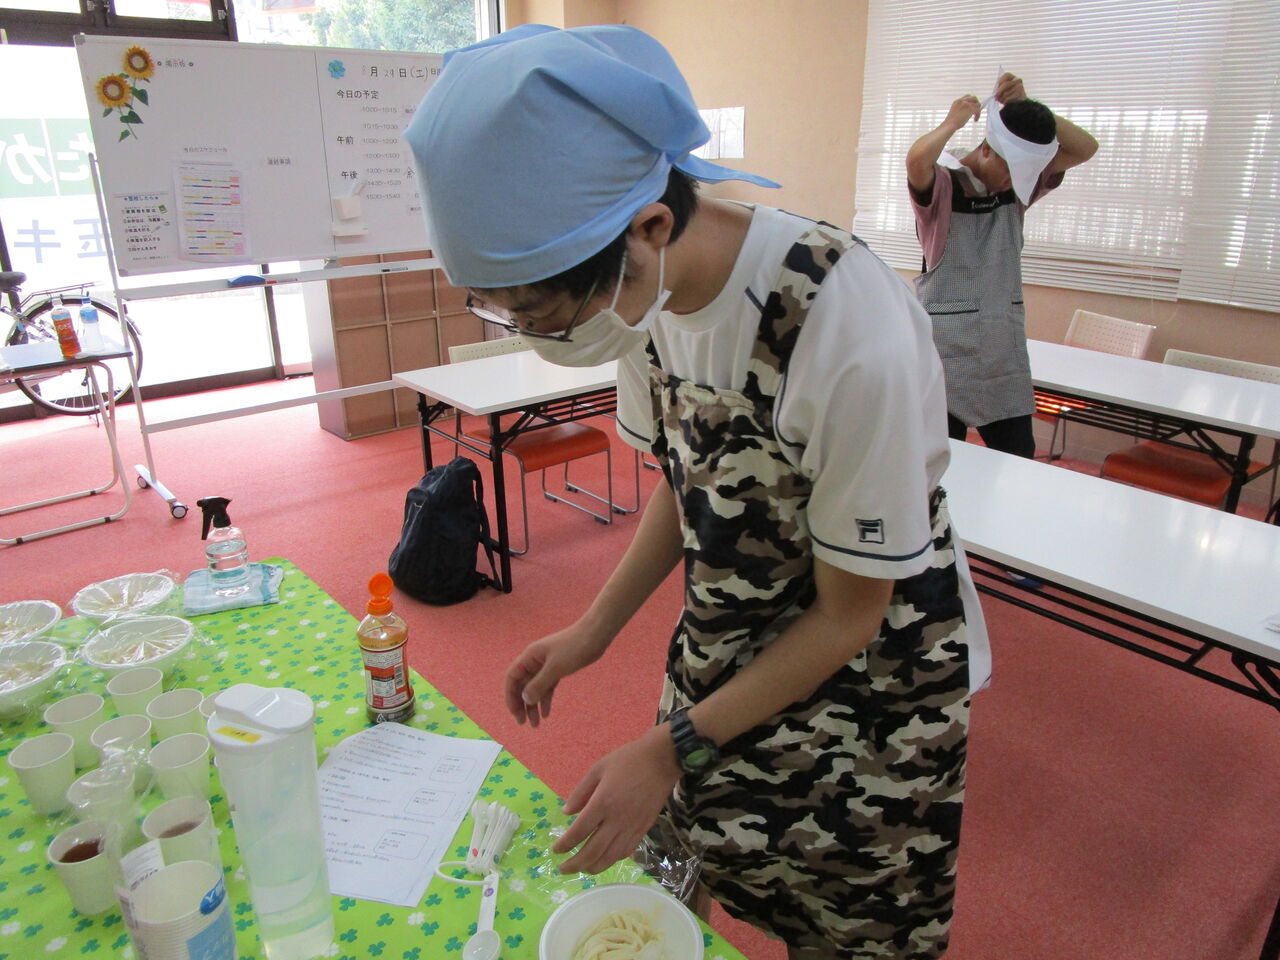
[{"x": 264, "y": 742}]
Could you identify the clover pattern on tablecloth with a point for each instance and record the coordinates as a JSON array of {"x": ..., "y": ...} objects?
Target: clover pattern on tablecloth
[{"x": 308, "y": 642}]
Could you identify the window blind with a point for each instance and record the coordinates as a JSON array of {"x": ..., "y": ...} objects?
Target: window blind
[{"x": 1182, "y": 199}]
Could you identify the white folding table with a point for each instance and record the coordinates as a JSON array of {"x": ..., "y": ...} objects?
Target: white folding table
[
  {"x": 1181, "y": 583},
  {"x": 1160, "y": 401},
  {"x": 542, "y": 393}
]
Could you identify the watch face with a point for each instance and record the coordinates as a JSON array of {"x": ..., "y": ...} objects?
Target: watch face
[{"x": 699, "y": 758}]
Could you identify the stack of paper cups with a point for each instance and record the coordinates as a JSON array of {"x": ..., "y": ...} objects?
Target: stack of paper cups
[{"x": 180, "y": 913}]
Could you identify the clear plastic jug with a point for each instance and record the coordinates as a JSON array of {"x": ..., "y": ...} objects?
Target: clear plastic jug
[{"x": 264, "y": 742}]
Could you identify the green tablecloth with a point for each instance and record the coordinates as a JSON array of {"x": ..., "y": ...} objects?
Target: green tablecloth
[{"x": 306, "y": 641}]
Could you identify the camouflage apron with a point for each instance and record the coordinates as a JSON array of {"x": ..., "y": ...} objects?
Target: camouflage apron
[{"x": 837, "y": 820}]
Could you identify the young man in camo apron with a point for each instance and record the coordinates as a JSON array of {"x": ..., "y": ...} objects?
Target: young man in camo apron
[
  {"x": 969, "y": 219},
  {"x": 811, "y": 733}
]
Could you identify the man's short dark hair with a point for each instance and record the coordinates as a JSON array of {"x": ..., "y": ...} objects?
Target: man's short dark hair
[
  {"x": 1029, "y": 119},
  {"x": 602, "y": 268}
]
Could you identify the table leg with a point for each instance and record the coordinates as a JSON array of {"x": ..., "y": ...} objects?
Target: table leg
[
  {"x": 424, "y": 418},
  {"x": 500, "y": 500},
  {"x": 1239, "y": 473}
]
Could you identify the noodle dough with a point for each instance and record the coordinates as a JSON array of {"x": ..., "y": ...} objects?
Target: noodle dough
[{"x": 622, "y": 935}]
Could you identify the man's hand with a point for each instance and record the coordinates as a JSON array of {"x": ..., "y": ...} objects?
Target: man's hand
[
  {"x": 532, "y": 677},
  {"x": 1009, "y": 88},
  {"x": 618, "y": 801},
  {"x": 962, "y": 111}
]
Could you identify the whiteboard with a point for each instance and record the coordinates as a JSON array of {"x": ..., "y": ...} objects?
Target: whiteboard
[{"x": 211, "y": 152}]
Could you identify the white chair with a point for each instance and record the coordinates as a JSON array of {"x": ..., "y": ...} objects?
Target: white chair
[
  {"x": 1092, "y": 331},
  {"x": 541, "y": 448},
  {"x": 1190, "y": 474}
]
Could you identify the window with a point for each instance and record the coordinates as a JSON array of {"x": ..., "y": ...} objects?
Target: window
[{"x": 1182, "y": 200}]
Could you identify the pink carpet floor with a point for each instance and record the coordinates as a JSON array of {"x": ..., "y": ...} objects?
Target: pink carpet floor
[{"x": 1117, "y": 809}]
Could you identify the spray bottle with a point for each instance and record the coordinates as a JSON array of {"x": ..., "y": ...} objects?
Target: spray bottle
[
  {"x": 225, "y": 549},
  {"x": 383, "y": 635}
]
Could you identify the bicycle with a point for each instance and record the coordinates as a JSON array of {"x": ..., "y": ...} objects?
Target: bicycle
[{"x": 69, "y": 392}]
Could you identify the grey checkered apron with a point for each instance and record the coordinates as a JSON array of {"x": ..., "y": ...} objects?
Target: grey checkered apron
[{"x": 974, "y": 295}]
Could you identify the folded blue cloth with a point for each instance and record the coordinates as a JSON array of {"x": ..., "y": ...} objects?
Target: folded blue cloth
[{"x": 264, "y": 587}]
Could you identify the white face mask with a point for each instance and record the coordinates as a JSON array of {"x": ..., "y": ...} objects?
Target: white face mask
[{"x": 606, "y": 336}]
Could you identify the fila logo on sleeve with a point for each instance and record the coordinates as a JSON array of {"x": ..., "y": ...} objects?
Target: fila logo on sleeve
[{"x": 870, "y": 531}]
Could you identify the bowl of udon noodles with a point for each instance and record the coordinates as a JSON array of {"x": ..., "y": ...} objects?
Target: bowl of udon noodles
[{"x": 621, "y": 921}]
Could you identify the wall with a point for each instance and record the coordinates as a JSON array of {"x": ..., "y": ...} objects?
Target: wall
[{"x": 797, "y": 65}]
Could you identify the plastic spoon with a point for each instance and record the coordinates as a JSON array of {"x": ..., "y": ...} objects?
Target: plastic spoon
[{"x": 485, "y": 942}]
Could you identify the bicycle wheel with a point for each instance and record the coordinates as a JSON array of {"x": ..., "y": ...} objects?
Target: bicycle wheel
[{"x": 69, "y": 392}]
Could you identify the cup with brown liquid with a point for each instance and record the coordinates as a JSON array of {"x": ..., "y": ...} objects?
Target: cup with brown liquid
[
  {"x": 79, "y": 856},
  {"x": 184, "y": 829}
]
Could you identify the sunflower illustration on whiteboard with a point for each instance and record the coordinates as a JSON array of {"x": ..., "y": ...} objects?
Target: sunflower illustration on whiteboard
[{"x": 124, "y": 91}]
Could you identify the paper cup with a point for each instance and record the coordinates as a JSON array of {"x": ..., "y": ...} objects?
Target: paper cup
[
  {"x": 78, "y": 716},
  {"x": 180, "y": 913},
  {"x": 175, "y": 712},
  {"x": 181, "y": 766},
  {"x": 45, "y": 766},
  {"x": 184, "y": 829},
  {"x": 206, "y": 707},
  {"x": 125, "y": 737},
  {"x": 131, "y": 690},
  {"x": 79, "y": 857}
]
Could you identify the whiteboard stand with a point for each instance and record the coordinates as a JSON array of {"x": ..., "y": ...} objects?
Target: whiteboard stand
[{"x": 147, "y": 476}]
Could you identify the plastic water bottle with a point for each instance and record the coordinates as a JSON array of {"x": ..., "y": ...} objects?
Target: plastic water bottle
[
  {"x": 225, "y": 550},
  {"x": 65, "y": 328},
  {"x": 90, "y": 332},
  {"x": 264, "y": 742}
]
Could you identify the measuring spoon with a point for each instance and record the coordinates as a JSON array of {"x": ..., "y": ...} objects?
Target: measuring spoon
[{"x": 485, "y": 943}]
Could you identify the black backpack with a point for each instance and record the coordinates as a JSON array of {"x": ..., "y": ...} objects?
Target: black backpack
[{"x": 444, "y": 522}]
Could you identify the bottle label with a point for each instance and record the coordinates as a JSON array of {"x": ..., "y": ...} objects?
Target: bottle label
[
  {"x": 386, "y": 678},
  {"x": 66, "y": 330}
]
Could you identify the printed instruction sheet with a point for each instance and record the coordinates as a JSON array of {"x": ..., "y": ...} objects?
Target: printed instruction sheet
[{"x": 391, "y": 799}]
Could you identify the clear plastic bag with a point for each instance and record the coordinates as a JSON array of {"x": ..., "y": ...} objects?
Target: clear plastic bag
[
  {"x": 130, "y": 595},
  {"x": 173, "y": 645},
  {"x": 31, "y": 672},
  {"x": 27, "y": 620},
  {"x": 661, "y": 856}
]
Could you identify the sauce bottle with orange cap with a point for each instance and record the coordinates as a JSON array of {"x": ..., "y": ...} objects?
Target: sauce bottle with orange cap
[{"x": 383, "y": 635}]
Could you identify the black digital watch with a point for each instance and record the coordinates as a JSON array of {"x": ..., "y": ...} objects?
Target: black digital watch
[{"x": 696, "y": 754}]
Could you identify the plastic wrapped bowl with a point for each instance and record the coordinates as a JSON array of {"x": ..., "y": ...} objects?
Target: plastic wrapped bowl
[
  {"x": 28, "y": 670},
  {"x": 139, "y": 642},
  {"x": 574, "y": 919},
  {"x": 131, "y": 594},
  {"x": 27, "y": 619}
]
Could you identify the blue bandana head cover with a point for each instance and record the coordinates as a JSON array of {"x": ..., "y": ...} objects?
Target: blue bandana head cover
[{"x": 536, "y": 147}]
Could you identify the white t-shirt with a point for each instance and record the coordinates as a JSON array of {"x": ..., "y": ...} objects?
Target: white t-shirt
[{"x": 862, "y": 412}]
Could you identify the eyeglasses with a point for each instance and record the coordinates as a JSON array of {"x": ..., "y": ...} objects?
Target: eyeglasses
[{"x": 504, "y": 318}]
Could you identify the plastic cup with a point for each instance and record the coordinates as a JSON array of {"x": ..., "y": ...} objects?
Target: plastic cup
[
  {"x": 175, "y": 712},
  {"x": 184, "y": 829},
  {"x": 180, "y": 912},
  {"x": 131, "y": 690},
  {"x": 45, "y": 766},
  {"x": 78, "y": 716},
  {"x": 107, "y": 793},
  {"x": 79, "y": 857},
  {"x": 181, "y": 766}
]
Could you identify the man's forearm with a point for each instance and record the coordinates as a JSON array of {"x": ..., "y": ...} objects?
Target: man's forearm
[
  {"x": 655, "y": 549},
  {"x": 843, "y": 620},
  {"x": 1075, "y": 145}
]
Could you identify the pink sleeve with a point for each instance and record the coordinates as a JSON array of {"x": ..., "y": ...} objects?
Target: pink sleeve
[{"x": 933, "y": 221}]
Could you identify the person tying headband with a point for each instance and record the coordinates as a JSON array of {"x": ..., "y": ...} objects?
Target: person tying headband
[
  {"x": 811, "y": 731},
  {"x": 969, "y": 211}
]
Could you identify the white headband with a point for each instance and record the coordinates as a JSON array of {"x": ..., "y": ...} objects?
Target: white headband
[{"x": 1026, "y": 160}]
